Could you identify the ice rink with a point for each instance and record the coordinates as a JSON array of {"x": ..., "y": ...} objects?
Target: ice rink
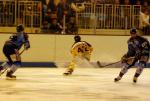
[{"x": 86, "y": 84}]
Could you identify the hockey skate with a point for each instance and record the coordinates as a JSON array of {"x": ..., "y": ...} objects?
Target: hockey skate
[
  {"x": 117, "y": 79},
  {"x": 68, "y": 72},
  {"x": 9, "y": 76},
  {"x": 135, "y": 79},
  {"x": 1, "y": 68}
]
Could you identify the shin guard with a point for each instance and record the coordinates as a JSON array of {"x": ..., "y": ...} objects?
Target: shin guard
[{"x": 15, "y": 66}]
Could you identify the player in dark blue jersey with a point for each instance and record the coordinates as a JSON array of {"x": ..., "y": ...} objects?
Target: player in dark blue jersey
[
  {"x": 138, "y": 51},
  {"x": 11, "y": 51}
]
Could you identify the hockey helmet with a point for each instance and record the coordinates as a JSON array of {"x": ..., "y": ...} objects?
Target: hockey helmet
[
  {"x": 133, "y": 30},
  {"x": 20, "y": 28},
  {"x": 77, "y": 38}
]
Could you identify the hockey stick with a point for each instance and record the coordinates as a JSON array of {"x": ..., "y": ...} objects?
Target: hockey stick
[
  {"x": 80, "y": 62},
  {"x": 99, "y": 64},
  {"x": 1, "y": 73},
  {"x": 22, "y": 51}
]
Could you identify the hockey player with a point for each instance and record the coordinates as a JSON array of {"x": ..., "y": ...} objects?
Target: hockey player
[
  {"x": 138, "y": 51},
  {"x": 11, "y": 51},
  {"x": 79, "y": 49}
]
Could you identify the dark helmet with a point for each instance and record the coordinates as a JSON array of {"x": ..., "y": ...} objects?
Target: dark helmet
[
  {"x": 77, "y": 38},
  {"x": 20, "y": 28},
  {"x": 133, "y": 30}
]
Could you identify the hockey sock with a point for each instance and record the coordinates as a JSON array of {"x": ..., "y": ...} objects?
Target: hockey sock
[
  {"x": 71, "y": 66},
  {"x": 5, "y": 65},
  {"x": 123, "y": 70},
  {"x": 138, "y": 72},
  {"x": 14, "y": 66},
  {"x": 140, "y": 68}
]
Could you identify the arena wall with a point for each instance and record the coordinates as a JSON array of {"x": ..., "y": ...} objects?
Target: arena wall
[{"x": 56, "y": 48}]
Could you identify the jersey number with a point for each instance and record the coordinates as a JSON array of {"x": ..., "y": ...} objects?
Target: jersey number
[{"x": 83, "y": 49}]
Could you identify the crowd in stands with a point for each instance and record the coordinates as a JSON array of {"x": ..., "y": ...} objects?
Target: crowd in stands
[
  {"x": 54, "y": 11},
  {"x": 57, "y": 13},
  {"x": 123, "y": 2}
]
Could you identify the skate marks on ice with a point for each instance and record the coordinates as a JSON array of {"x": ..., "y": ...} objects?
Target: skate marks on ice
[
  {"x": 95, "y": 85},
  {"x": 80, "y": 62}
]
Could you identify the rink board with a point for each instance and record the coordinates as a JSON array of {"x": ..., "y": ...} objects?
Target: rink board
[
  {"x": 50, "y": 50},
  {"x": 38, "y": 64}
]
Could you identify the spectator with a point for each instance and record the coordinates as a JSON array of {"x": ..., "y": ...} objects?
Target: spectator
[
  {"x": 144, "y": 21},
  {"x": 46, "y": 21},
  {"x": 145, "y": 4},
  {"x": 48, "y": 7},
  {"x": 89, "y": 1},
  {"x": 55, "y": 27},
  {"x": 62, "y": 10},
  {"x": 68, "y": 8},
  {"x": 45, "y": 8},
  {"x": 51, "y": 14},
  {"x": 121, "y": 2},
  {"x": 116, "y": 2},
  {"x": 71, "y": 26},
  {"x": 142, "y": 1},
  {"x": 126, "y": 2},
  {"x": 138, "y": 2},
  {"x": 133, "y": 2}
]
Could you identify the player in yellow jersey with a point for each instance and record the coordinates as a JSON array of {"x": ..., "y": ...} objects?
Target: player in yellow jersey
[{"x": 80, "y": 49}]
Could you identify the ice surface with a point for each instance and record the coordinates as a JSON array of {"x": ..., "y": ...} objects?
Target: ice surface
[{"x": 86, "y": 84}]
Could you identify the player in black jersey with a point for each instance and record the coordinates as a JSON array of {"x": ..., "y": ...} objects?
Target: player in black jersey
[{"x": 138, "y": 51}]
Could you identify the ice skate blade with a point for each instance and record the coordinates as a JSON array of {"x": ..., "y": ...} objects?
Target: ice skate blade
[
  {"x": 8, "y": 78},
  {"x": 134, "y": 81},
  {"x": 66, "y": 74},
  {"x": 117, "y": 79}
]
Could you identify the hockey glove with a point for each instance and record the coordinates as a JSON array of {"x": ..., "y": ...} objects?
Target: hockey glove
[
  {"x": 124, "y": 59},
  {"x": 27, "y": 45}
]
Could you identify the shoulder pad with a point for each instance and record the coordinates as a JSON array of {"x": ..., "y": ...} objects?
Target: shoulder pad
[{"x": 130, "y": 39}]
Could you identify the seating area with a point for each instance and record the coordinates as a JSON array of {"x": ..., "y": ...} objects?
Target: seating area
[{"x": 72, "y": 17}]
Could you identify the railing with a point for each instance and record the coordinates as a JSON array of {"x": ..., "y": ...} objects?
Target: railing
[
  {"x": 7, "y": 12},
  {"x": 30, "y": 14},
  {"x": 109, "y": 16},
  {"x": 13, "y": 12}
]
